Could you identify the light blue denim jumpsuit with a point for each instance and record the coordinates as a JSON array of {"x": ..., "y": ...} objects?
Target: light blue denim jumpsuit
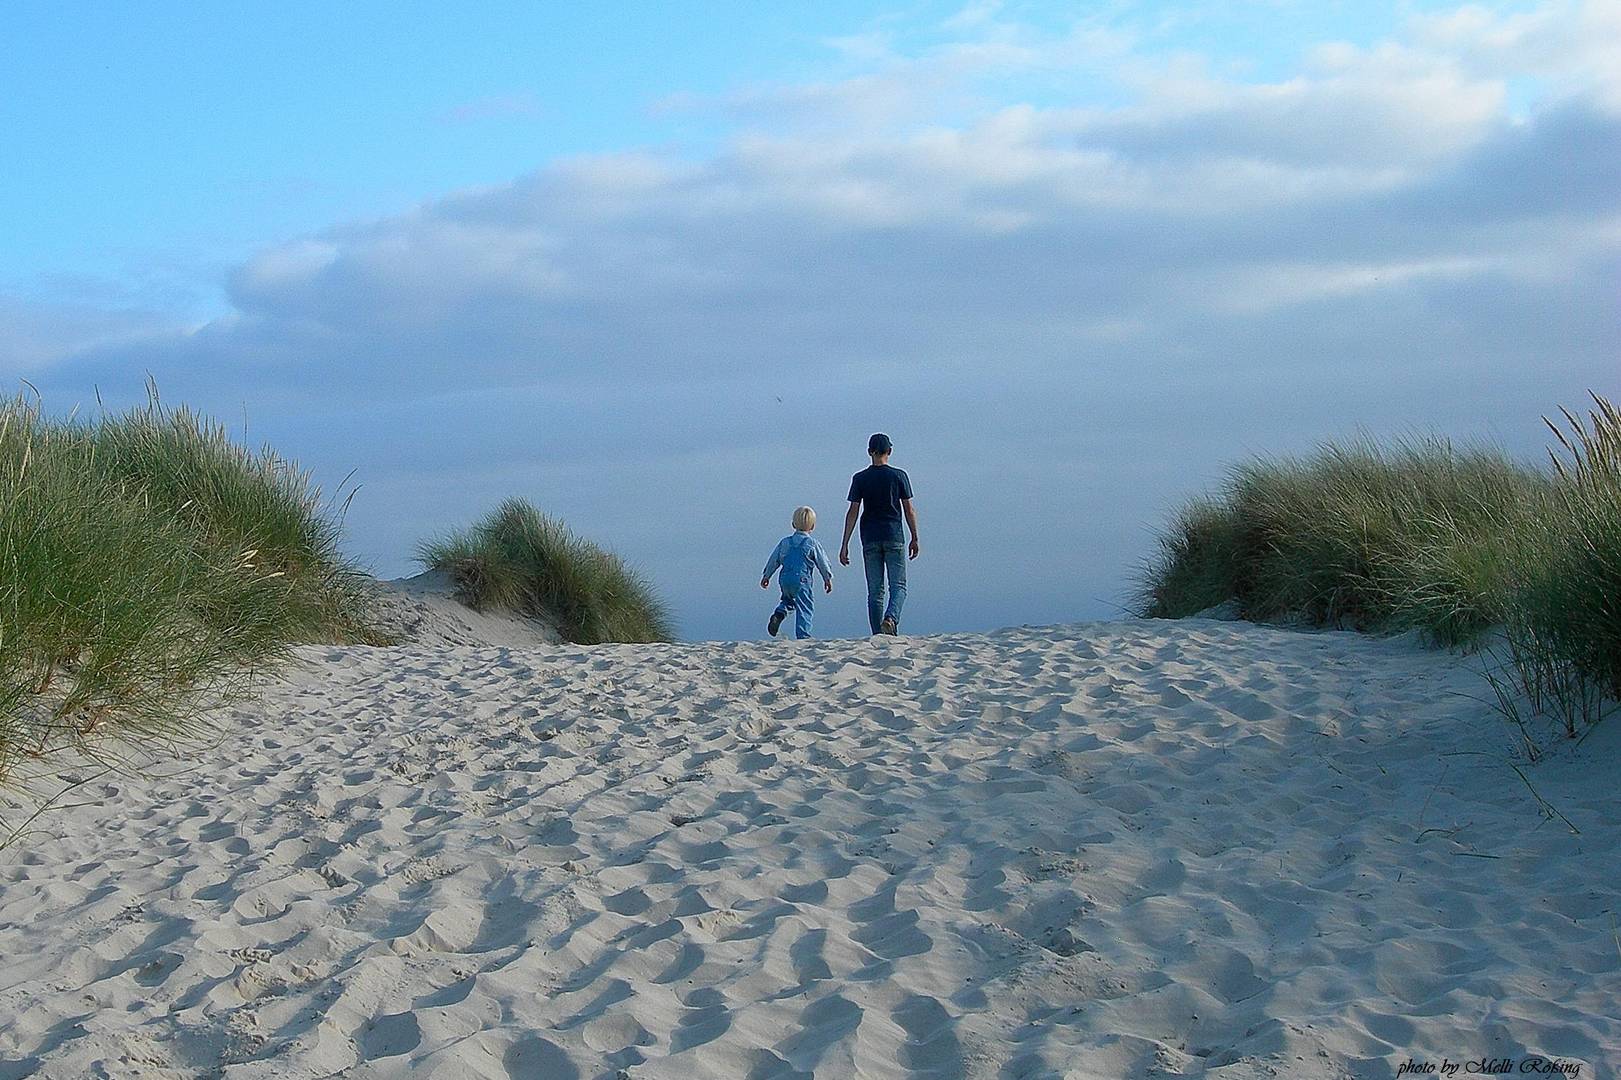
[{"x": 800, "y": 557}]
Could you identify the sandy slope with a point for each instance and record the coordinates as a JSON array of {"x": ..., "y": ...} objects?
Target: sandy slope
[
  {"x": 1126, "y": 850},
  {"x": 424, "y": 610}
]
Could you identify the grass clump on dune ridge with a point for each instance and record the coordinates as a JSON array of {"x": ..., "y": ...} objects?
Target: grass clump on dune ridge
[
  {"x": 149, "y": 567},
  {"x": 518, "y": 559},
  {"x": 1564, "y": 624},
  {"x": 1354, "y": 535},
  {"x": 255, "y": 505},
  {"x": 1423, "y": 535}
]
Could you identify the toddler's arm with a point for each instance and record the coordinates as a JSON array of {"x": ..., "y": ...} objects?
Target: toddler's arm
[
  {"x": 772, "y": 564},
  {"x": 820, "y": 558}
]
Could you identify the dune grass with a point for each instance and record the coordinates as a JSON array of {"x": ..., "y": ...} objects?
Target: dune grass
[
  {"x": 253, "y": 504},
  {"x": 1413, "y": 536},
  {"x": 150, "y": 568},
  {"x": 1452, "y": 541},
  {"x": 1564, "y": 619},
  {"x": 518, "y": 559}
]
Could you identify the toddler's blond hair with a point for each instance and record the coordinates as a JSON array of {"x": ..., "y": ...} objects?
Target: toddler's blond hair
[{"x": 804, "y": 519}]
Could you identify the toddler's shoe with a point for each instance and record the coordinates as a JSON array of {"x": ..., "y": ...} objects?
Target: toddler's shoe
[{"x": 776, "y": 622}]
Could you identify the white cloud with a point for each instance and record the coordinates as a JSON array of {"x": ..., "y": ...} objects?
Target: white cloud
[
  {"x": 1575, "y": 44},
  {"x": 1282, "y": 284},
  {"x": 289, "y": 263}
]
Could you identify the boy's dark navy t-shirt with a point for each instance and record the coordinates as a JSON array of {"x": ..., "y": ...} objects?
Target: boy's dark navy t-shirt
[{"x": 879, "y": 489}]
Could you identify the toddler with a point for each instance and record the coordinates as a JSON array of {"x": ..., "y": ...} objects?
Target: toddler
[{"x": 800, "y": 557}]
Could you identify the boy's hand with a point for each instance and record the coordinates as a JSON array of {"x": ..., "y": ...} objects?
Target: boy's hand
[
  {"x": 828, "y": 584},
  {"x": 844, "y": 555},
  {"x": 915, "y": 549},
  {"x": 765, "y": 583}
]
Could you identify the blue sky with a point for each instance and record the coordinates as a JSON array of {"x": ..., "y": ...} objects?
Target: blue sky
[{"x": 1074, "y": 257}]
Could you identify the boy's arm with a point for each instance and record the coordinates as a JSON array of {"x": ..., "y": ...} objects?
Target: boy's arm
[
  {"x": 772, "y": 563},
  {"x": 911, "y": 523},
  {"x": 850, "y": 517},
  {"x": 822, "y": 564}
]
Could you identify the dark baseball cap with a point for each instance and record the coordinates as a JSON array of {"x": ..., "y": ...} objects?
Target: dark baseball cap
[{"x": 879, "y": 444}]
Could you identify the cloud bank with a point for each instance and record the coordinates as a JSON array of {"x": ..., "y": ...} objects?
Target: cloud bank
[{"x": 1068, "y": 314}]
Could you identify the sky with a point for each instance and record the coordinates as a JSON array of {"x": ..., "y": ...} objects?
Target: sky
[{"x": 662, "y": 268}]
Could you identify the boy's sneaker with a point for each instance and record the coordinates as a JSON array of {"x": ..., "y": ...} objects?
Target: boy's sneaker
[
  {"x": 888, "y": 627},
  {"x": 776, "y": 622}
]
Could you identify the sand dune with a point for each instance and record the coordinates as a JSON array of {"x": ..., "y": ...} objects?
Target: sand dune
[
  {"x": 1124, "y": 850},
  {"x": 424, "y": 610}
]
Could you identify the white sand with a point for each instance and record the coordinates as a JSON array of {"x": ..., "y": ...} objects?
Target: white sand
[
  {"x": 423, "y": 610},
  {"x": 1128, "y": 850}
]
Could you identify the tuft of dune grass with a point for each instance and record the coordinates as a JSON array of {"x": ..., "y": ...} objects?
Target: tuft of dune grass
[
  {"x": 1411, "y": 536},
  {"x": 254, "y": 504},
  {"x": 150, "y": 568},
  {"x": 1422, "y": 534},
  {"x": 519, "y": 559},
  {"x": 1564, "y": 625}
]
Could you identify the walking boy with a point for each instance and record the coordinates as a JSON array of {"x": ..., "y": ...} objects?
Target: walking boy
[
  {"x": 800, "y": 557},
  {"x": 882, "y": 495}
]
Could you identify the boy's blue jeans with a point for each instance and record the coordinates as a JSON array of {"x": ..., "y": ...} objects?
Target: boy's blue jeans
[
  {"x": 800, "y": 599},
  {"x": 888, "y": 556}
]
